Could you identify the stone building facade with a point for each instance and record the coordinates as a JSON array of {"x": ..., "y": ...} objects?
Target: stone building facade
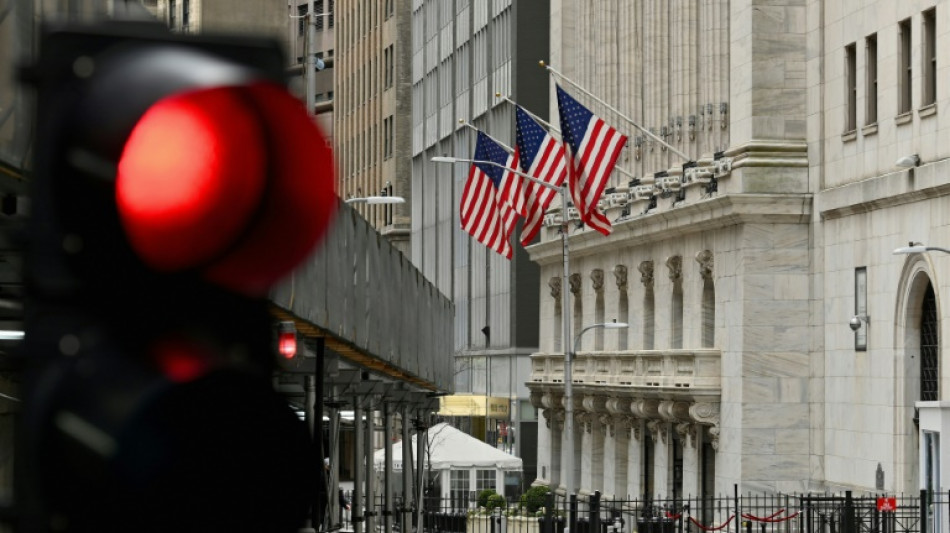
[{"x": 739, "y": 277}]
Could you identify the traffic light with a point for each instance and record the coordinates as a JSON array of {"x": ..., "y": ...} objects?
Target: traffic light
[{"x": 175, "y": 181}]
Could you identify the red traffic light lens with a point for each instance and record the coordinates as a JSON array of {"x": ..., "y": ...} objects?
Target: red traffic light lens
[
  {"x": 189, "y": 177},
  {"x": 234, "y": 181}
]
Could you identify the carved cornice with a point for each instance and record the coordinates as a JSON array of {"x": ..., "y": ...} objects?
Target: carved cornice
[
  {"x": 618, "y": 406},
  {"x": 536, "y": 398},
  {"x": 674, "y": 411},
  {"x": 594, "y": 404},
  {"x": 575, "y": 281},
  {"x": 597, "y": 280},
  {"x": 714, "y": 437},
  {"x": 646, "y": 273},
  {"x": 706, "y": 263},
  {"x": 551, "y": 401},
  {"x": 645, "y": 408},
  {"x": 706, "y": 413},
  {"x": 675, "y": 264},
  {"x": 659, "y": 430},
  {"x": 555, "y": 284},
  {"x": 687, "y": 433},
  {"x": 620, "y": 274}
]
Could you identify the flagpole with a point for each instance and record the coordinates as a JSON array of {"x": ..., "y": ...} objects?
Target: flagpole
[
  {"x": 568, "y": 452},
  {"x": 503, "y": 145},
  {"x": 552, "y": 128},
  {"x": 614, "y": 110}
]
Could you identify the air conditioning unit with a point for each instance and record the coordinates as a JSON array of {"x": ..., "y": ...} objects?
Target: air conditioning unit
[
  {"x": 642, "y": 192},
  {"x": 617, "y": 199},
  {"x": 573, "y": 213},
  {"x": 551, "y": 220}
]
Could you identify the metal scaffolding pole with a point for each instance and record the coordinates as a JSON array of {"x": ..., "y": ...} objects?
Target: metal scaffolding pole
[
  {"x": 370, "y": 474},
  {"x": 388, "y": 468},
  {"x": 357, "y": 503}
]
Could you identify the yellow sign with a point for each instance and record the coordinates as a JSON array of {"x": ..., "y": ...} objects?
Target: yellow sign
[{"x": 471, "y": 405}]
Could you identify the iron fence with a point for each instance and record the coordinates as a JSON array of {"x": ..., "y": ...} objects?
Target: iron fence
[{"x": 736, "y": 513}]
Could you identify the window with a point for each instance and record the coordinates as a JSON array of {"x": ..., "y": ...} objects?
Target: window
[
  {"x": 851, "y": 88},
  {"x": 870, "y": 52},
  {"x": 861, "y": 308},
  {"x": 906, "y": 70},
  {"x": 331, "y": 15},
  {"x": 318, "y": 14},
  {"x": 458, "y": 490},
  {"x": 302, "y": 21},
  {"x": 185, "y": 13},
  {"x": 390, "y": 65},
  {"x": 171, "y": 14},
  {"x": 484, "y": 479},
  {"x": 388, "y": 137},
  {"x": 929, "y": 66}
]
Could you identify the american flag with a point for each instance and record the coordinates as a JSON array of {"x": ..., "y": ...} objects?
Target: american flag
[
  {"x": 592, "y": 148},
  {"x": 485, "y": 211},
  {"x": 542, "y": 157}
]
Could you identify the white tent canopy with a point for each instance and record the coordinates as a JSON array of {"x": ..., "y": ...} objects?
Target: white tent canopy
[{"x": 448, "y": 448}]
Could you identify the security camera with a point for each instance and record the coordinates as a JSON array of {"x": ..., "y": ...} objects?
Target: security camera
[{"x": 855, "y": 323}]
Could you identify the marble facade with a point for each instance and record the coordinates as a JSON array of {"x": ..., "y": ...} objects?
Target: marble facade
[{"x": 739, "y": 280}]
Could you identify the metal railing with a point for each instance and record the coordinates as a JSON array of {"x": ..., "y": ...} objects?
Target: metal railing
[{"x": 736, "y": 513}]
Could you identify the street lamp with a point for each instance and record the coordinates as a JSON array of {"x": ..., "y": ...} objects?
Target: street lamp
[
  {"x": 376, "y": 200},
  {"x": 919, "y": 248},
  {"x": 565, "y": 304},
  {"x": 569, "y": 396}
]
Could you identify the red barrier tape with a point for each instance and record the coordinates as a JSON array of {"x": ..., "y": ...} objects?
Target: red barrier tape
[
  {"x": 673, "y": 516},
  {"x": 707, "y": 528},
  {"x": 762, "y": 518},
  {"x": 783, "y": 519}
]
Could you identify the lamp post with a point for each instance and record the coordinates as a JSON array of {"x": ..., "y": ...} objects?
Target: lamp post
[
  {"x": 919, "y": 248},
  {"x": 565, "y": 307},
  {"x": 376, "y": 200},
  {"x": 569, "y": 395}
]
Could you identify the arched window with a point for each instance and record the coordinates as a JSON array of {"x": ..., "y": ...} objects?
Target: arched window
[{"x": 929, "y": 336}]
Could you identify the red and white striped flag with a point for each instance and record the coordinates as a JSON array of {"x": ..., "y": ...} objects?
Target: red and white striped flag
[
  {"x": 486, "y": 211},
  {"x": 593, "y": 148},
  {"x": 541, "y": 157}
]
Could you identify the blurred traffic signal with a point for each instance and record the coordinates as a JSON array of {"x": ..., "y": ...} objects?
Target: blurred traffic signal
[{"x": 175, "y": 181}]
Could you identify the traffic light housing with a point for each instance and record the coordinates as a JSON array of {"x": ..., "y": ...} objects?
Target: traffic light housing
[{"x": 175, "y": 181}]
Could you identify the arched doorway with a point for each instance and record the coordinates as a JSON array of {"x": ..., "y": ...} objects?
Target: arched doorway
[{"x": 917, "y": 367}]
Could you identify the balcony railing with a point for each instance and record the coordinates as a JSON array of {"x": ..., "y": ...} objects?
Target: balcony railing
[{"x": 683, "y": 370}]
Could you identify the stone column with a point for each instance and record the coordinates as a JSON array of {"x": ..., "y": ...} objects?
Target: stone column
[
  {"x": 660, "y": 431},
  {"x": 689, "y": 437},
  {"x": 592, "y": 458},
  {"x": 634, "y": 428},
  {"x": 615, "y": 448},
  {"x": 608, "y": 487},
  {"x": 544, "y": 442}
]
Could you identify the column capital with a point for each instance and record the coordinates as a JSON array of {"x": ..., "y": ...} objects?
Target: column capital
[
  {"x": 620, "y": 274},
  {"x": 646, "y": 273}
]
